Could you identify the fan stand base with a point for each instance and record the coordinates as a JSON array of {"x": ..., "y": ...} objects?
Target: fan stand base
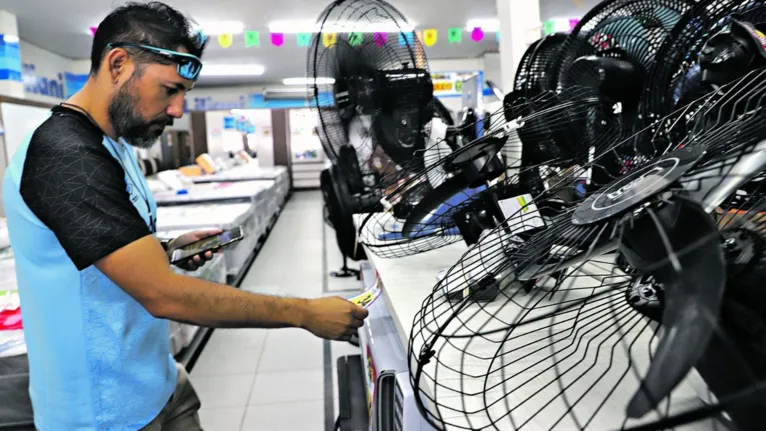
[{"x": 346, "y": 272}]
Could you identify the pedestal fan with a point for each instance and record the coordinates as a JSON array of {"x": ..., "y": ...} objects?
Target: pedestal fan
[{"x": 373, "y": 99}]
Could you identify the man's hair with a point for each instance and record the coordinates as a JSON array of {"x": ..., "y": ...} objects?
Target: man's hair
[{"x": 153, "y": 23}]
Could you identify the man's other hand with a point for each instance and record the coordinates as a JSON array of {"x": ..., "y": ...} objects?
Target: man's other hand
[
  {"x": 196, "y": 262},
  {"x": 333, "y": 318}
]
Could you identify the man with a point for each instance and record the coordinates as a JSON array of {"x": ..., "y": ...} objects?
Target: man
[{"x": 96, "y": 287}]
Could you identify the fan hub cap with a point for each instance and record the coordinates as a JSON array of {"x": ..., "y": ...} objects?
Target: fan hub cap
[{"x": 635, "y": 188}]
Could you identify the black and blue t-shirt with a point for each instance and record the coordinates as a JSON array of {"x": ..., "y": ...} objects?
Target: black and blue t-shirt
[{"x": 98, "y": 360}]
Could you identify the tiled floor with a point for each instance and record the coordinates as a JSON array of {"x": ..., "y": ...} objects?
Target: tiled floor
[{"x": 275, "y": 380}]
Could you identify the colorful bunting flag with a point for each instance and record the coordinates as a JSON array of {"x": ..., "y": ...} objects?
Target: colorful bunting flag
[
  {"x": 252, "y": 38},
  {"x": 93, "y": 31},
  {"x": 477, "y": 34},
  {"x": 405, "y": 39},
  {"x": 355, "y": 38},
  {"x": 573, "y": 23},
  {"x": 304, "y": 39},
  {"x": 430, "y": 36},
  {"x": 455, "y": 35},
  {"x": 381, "y": 39},
  {"x": 329, "y": 39},
  {"x": 549, "y": 27},
  {"x": 225, "y": 40},
  {"x": 277, "y": 39}
]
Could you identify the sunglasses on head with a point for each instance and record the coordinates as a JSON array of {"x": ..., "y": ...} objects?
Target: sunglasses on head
[{"x": 189, "y": 66}]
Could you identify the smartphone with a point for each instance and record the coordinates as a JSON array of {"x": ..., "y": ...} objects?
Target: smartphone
[{"x": 203, "y": 246}]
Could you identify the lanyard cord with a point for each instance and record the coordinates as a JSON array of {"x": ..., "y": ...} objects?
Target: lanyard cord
[{"x": 141, "y": 190}]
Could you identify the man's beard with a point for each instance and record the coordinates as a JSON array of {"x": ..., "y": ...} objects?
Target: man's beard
[{"x": 128, "y": 122}]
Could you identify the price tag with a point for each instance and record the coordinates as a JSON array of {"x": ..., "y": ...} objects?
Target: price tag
[
  {"x": 522, "y": 212},
  {"x": 367, "y": 298}
]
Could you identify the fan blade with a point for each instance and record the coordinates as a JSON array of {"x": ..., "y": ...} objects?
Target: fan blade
[
  {"x": 442, "y": 194},
  {"x": 693, "y": 289}
]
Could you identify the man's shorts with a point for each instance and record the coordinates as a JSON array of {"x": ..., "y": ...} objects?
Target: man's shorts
[{"x": 181, "y": 412}]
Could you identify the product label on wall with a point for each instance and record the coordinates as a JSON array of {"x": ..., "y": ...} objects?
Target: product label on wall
[
  {"x": 61, "y": 86},
  {"x": 210, "y": 104}
]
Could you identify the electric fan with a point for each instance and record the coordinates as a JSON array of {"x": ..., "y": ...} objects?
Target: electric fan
[
  {"x": 553, "y": 131},
  {"x": 426, "y": 184},
  {"x": 679, "y": 79},
  {"x": 546, "y": 331},
  {"x": 373, "y": 100},
  {"x": 538, "y": 60},
  {"x": 360, "y": 76}
]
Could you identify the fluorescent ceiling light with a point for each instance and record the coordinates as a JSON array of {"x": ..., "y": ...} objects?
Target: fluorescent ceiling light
[
  {"x": 308, "y": 81},
  {"x": 232, "y": 70},
  {"x": 309, "y": 26},
  {"x": 8, "y": 38},
  {"x": 221, "y": 27},
  {"x": 485, "y": 24}
]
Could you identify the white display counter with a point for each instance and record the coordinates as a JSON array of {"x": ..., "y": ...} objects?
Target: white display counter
[{"x": 406, "y": 282}]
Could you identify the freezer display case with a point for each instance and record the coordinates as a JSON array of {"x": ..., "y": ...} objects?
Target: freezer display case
[
  {"x": 177, "y": 220},
  {"x": 251, "y": 172}
]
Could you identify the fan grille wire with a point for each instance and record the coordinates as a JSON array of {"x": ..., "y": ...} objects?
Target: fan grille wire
[
  {"x": 539, "y": 120},
  {"x": 632, "y": 29},
  {"x": 675, "y": 78},
  {"x": 373, "y": 70},
  {"x": 562, "y": 348}
]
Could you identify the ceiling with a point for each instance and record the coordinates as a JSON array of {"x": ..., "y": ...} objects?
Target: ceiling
[{"x": 62, "y": 27}]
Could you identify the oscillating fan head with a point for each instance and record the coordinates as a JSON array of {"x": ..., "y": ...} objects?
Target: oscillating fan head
[
  {"x": 731, "y": 53},
  {"x": 617, "y": 79},
  {"x": 358, "y": 69}
]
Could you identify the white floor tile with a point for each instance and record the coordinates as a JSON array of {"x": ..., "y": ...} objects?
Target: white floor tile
[
  {"x": 288, "y": 387},
  {"x": 304, "y": 416},
  {"x": 223, "y": 391},
  {"x": 232, "y": 359},
  {"x": 222, "y": 419},
  {"x": 291, "y": 349},
  {"x": 237, "y": 338}
]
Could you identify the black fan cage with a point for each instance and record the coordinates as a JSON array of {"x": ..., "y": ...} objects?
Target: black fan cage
[
  {"x": 629, "y": 32},
  {"x": 378, "y": 72},
  {"x": 536, "y": 63},
  {"x": 676, "y": 78},
  {"x": 461, "y": 181},
  {"x": 638, "y": 308}
]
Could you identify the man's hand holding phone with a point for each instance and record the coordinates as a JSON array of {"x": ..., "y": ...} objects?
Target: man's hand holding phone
[{"x": 195, "y": 262}]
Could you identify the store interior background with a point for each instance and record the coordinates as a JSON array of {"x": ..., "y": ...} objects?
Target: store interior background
[
  {"x": 258, "y": 112},
  {"x": 278, "y": 127}
]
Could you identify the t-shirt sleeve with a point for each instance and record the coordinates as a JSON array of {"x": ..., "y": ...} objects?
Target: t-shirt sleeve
[{"x": 78, "y": 190}]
